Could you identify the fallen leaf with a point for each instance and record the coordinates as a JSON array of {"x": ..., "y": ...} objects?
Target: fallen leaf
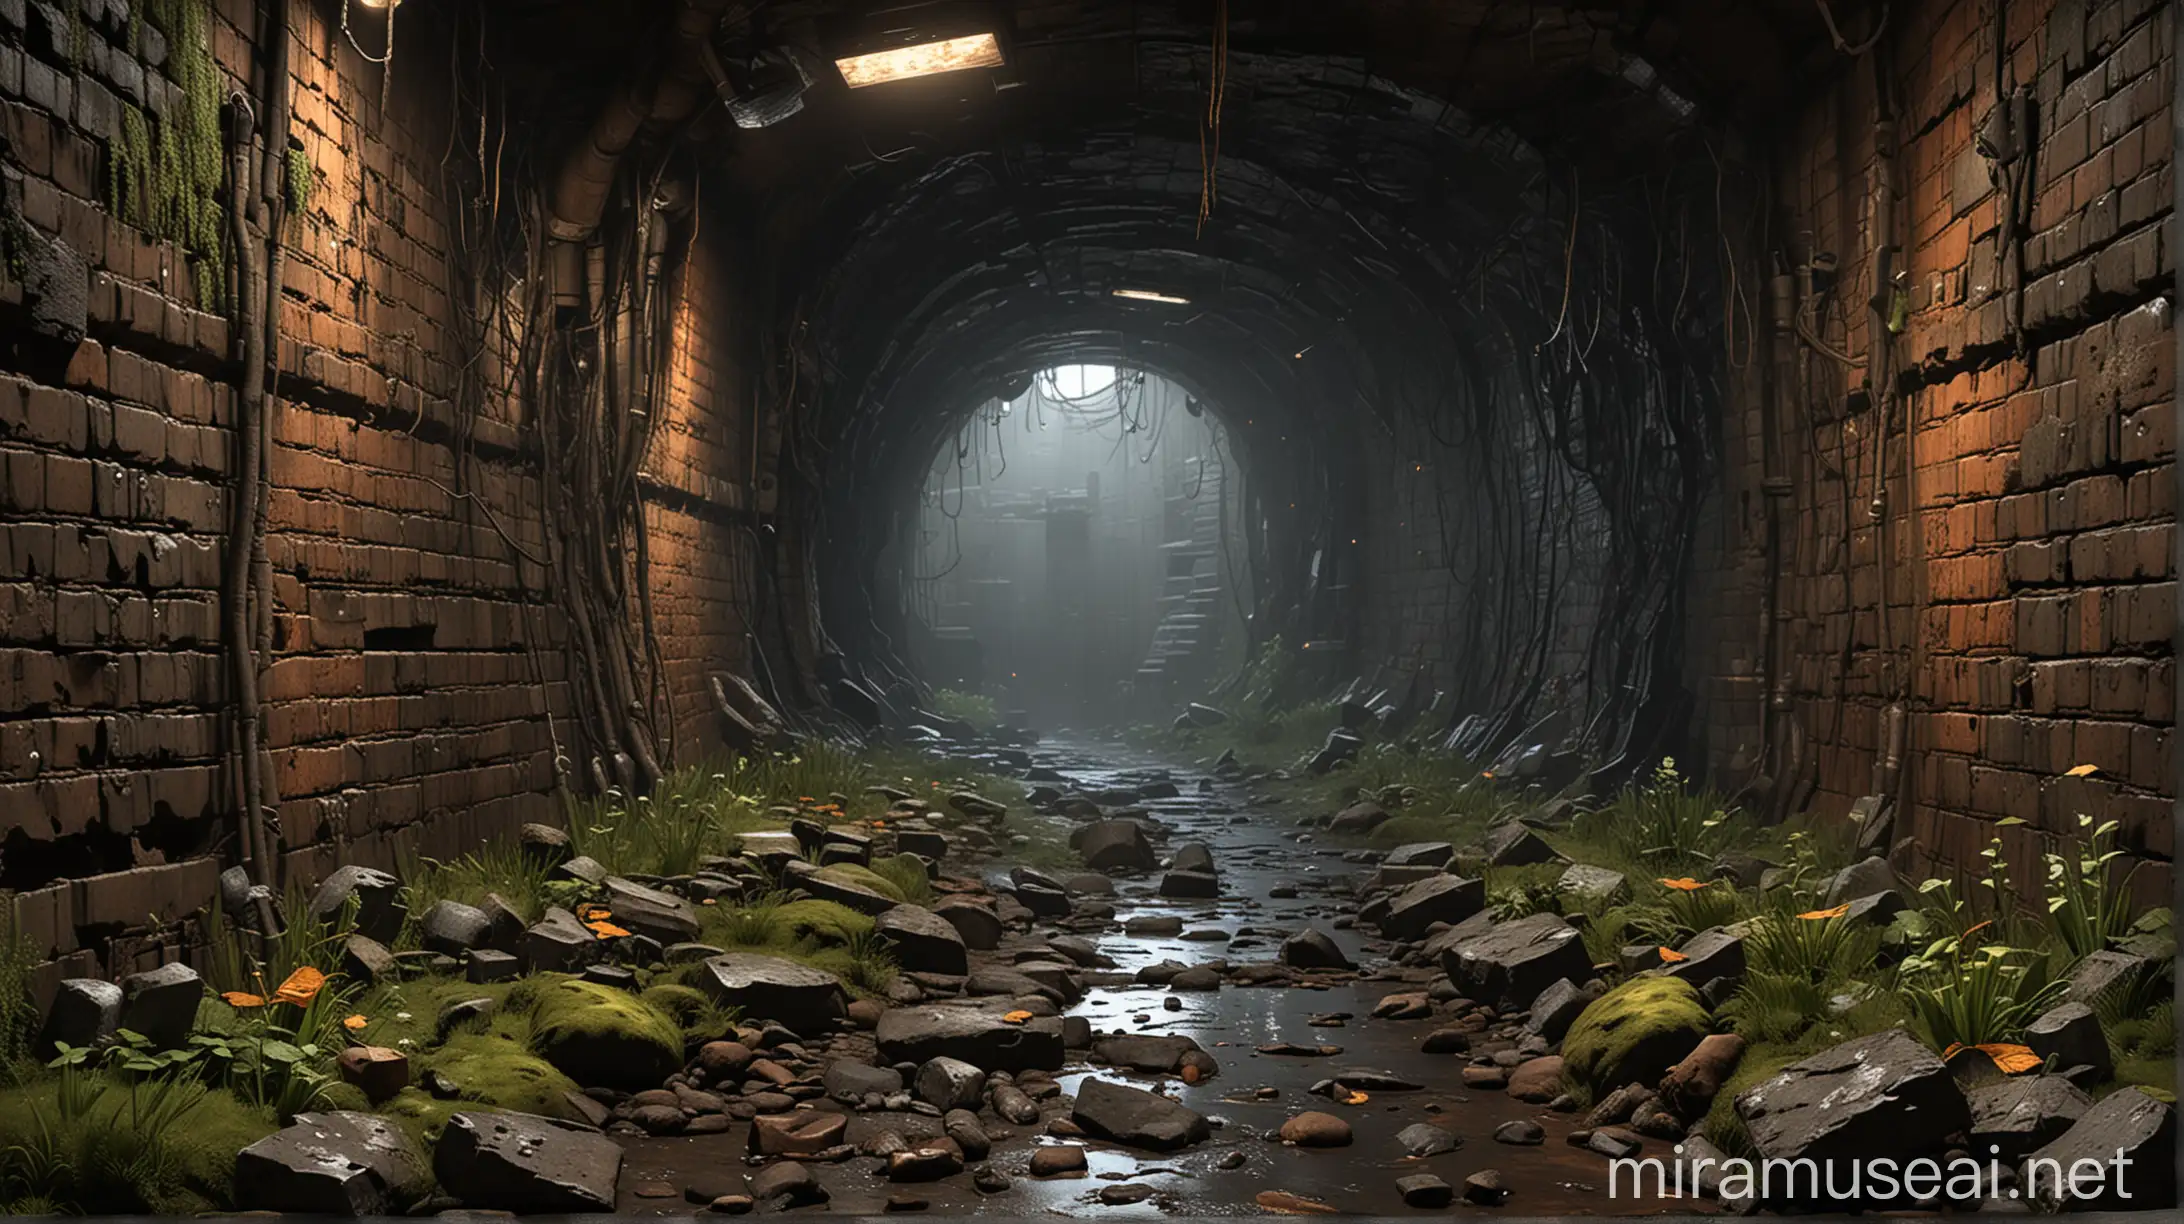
[
  {"x": 243, "y": 998},
  {"x": 1824, "y": 915},
  {"x": 1686, "y": 884},
  {"x": 1951, "y": 1052},
  {"x": 607, "y": 930},
  {"x": 301, "y": 987},
  {"x": 2079, "y": 771},
  {"x": 1017, "y": 1017},
  {"x": 1670, "y": 956},
  {"x": 2011, "y": 1059},
  {"x": 1292, "y": 1204},
  {"x": 1356, "y": 1098},
  {"x": 354, "y": 1023}
]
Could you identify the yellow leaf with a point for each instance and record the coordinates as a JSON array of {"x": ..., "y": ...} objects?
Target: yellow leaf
[
  {"x": 606, "y": 930},
  {"x": 354, "y": 1023},
  {"x": 1670, "y": 956},
  {"x": 1017, "y": 1017},
  {"x": 301, "y": 987},
  {"x": 1824, "y": 915},
  {"x": 1356, "y": 1098},
  {"x": 2011, "y": 1059},
  {"x": 2080, "y": 771},
  {"x": 243, "y": 998},
  {"x": 1686, "y": 884}
]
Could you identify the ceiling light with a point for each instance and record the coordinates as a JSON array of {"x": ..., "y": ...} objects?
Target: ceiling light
[
  {"x": 1149, "y": 295},
  {"x": 924, "y": 59}
]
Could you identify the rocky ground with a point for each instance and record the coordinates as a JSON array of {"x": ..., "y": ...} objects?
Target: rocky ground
[{"x": 1229, "y": 1008}]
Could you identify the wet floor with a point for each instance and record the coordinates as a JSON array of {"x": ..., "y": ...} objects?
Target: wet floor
[{"x": 1254, "y": 1093}]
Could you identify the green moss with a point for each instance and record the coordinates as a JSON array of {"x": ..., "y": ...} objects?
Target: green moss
[
  {"x": 907, "y": 873},
  {"x": 300, "y": 184},
  {"x": 828, "y": 922},
  {"x": 1634, "y": 1033},
  {"x": 600, "y": 1036},
  {"x": 700, "y": 1018},
  {"x": 85, "y": 1145},
  {"x": 861, "y": 877},
  {"x": 171, "y": 178},
  {"x": 1721, "y": 1126},
  {"x": 491, "y": 1070}
]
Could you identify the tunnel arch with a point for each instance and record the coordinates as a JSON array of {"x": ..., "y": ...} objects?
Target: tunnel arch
[{"x": 1400, "y": 311}]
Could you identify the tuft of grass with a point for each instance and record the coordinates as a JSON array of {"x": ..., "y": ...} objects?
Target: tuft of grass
[
  {"x": 499, "y": 867},
  {"x": 906, "y": 873},
  {"x": 19, "y": 1018},
  {"x": 976, "y": 709},
  {"x": 84, "y": 1142}
]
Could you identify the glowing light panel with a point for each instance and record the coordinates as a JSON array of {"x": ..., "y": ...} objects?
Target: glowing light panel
[
  {"x": 925, "y": 59},
  {"x": 1149, "y": 295}
]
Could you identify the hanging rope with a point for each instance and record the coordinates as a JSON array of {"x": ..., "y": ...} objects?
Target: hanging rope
[{"x": 1209, "y": 133}]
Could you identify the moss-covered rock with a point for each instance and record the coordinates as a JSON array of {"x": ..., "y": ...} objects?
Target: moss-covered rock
[
  {"x": 828, "y": 922},
  {"x": 1634, "y": 1034},
  {"x": 908, "y": 874},
  {"x": 859, "y": 888},
  {"x": 603, "y": 1037},
  {"x": 484, "y": 1069},
  {"x": 688, "y": 1007}
]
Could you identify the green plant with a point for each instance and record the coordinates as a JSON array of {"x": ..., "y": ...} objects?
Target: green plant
[
  {"x": 908, "y": 875},
  {"x": 1963, "y": 997},
  {"x": 2087, "y": 908},
  {"x": 1663, "y": 824},
  {"x": 976, "y": 709},
  {"x": 19, "y": 1017},
  {"x": 92, "y": 1141}
]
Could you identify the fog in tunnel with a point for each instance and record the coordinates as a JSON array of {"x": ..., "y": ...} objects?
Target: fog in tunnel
[{"x": 1077, "y": 555}]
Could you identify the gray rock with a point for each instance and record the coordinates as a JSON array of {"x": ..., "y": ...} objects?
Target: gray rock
[
  {"x": 369, "y": 962},
  {"x": 1422, "y": 1139},
  {"x": 1151, "y": 1053},
  {"x": 1361, "y": 817},
  {"x": 2024, "y": 1112},
  {"x": 488, "y": 965},
  {"x": 979, "y": 926},
  {"x": 1710, "y": 955},
  {"x": 2103, "y": 971},
  {"x": 789, "y": 1183},
  {"x": 2131, "y": 1137},
  {"x": 1136, "y": 1118},
  {"x": 976, "y": 1035},
  {"x": 651, "y": 912},
  {"x": 558, "y": 943},
  {"x": 454, "y": 928},
  {"x": 1043, "y": 902},
  {"x": 850, "y": 1082},
  {"x": 1523, "y": 1132},
  {"x": 544, "y": 844},
  {"x": 1871, "y": 877},
  {"x": 1556, "y": 1009},
  {"x": 1388, "y": 878},
  {"x": 456, "y": 1013},
  {"x": 1835, "y": 1104},
  {"x": 2069, "y": 1034},
  {"x": 1312, "y": 948},
  {"x": 1192, "y": 856},
  {"x": 161, "y": 1004},
  {"x": 689, "y": 953},
  {"x": 1590, "y": 885},
  {"x": 923, "y": 941},
  {"x": 378, "y": 898},
  {"x": 583, "y": 869},
  {"x": 1115, "y": 845},
  {"x": 1515, "y": 845},
  {"x": 333, "y": 1164},
  {"x": 1420, "y": 854},
  {"x": 962, "y": 1127},
  {"x": 1425, "y": 1191},
  {"x": 1515, "y": 962},
  {"x": 526, "y": 1164},
  {"x": 949, "y": 1083},
  {"x": 771, "y": 988},
  {"x": 85, "y": 1013},
  {"x": 1439, "y": 898},
  {"x": 1190, "y": 884}
]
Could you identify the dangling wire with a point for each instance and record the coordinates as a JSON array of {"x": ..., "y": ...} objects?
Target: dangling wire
[{"x": 1209, "y": 133}]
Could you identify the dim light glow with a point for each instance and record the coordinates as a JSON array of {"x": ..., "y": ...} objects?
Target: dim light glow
[
  {"x": 1151, "y": 295},
  {"x": 925, "y": 59}
]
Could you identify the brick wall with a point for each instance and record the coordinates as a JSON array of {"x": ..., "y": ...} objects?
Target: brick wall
[
  {"x": 2029, "y": 556},
  {"x": 415, "y": 694}
]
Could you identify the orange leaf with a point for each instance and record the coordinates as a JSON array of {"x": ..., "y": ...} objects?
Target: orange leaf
[
  {"x": 301, "y": 987},
  {"x": 1670, "y": 956},
  {"x": 1951, "y": 1052},
  {"x": 606, "y": 930},
  {"x": 1976, "y": 928},
  {"x": 2011, "y": 1059},
  {"x": 1486, "y": 773},
  {"x": 1017, "y": 1017},
  {"x": 1686, "y": 884},
  {"x": 2079, "y": 771},
  {"x": 879, "y": 824},
  {"x": 1824, "y": 915},
  {"x": 354, "y": 1023},
  {"x": 243, "y": 998},
  {"x": 1356, "y": 1098}
]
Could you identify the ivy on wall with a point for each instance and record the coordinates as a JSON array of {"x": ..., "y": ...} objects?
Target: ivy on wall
[{"x": 164, "y": 171}]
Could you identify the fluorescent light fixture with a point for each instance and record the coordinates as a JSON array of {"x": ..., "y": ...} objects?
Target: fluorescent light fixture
[
  {"x": 924, "y": 59},
  {"x": 1149, "y": 295}
]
